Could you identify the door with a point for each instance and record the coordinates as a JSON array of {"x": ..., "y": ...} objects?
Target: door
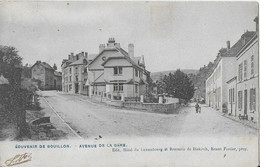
[
  {"x": 76, "y": 88},
  {"x": 87, "y": 87},
  {"x": 55, "y": 84},
  {"x": 245, "y": 102}
]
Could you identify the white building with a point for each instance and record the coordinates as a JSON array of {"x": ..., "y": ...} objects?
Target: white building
[
  {"x": 217, "y": 90},
  {"x": 115, "y": 73},
  {"x": 247, "y": 62}
]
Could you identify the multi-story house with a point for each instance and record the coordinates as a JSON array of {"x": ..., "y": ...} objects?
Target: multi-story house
[
  {"x": 115, "y": 73},
  {"x": 43, "y": 72},
  {"x": 75, "y": 73},
  {"x": 224, "y": 69},
  {"x": 247, "y": 62}
]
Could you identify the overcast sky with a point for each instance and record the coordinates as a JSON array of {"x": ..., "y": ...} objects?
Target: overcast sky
[{"x": 170, "y": 35}]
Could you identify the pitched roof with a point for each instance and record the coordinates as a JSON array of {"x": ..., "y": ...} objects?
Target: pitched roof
[
  {"x": 121, "y": 57},
  {"x": 91, "y": 56},
  {"x": 245, "y": 38},
  {"x": 44, "y": 64},
  {"x": 106, "y": 49},
  {"x": 57, "y": 73},
  {"x": 79, "y": 61},
  {"x": 224, "y": 52}
]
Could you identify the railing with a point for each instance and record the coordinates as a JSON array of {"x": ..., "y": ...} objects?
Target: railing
[{"x": 136, "y": 99}]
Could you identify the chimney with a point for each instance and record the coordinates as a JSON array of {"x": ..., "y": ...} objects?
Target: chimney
[
  {"x": 101, "y": 47},
  {"x": 86, "y": 55},
  {"x": 71, "y": 56},
  {"x": 131, "y": 50},
  {"x": 111, "y": 42},
  {"x": 142, "y": 61},
  {"x": 117, "y": 45},
  {"x": 228, "y": 45},
  {"x": 256, "y": 23}
]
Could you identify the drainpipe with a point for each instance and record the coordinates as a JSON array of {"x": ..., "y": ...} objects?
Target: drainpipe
[
  {"x": 134, "y": 82},
  {"x": 236, "y": 99}
]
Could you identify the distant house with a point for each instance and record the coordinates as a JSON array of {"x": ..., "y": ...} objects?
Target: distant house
[
  {"x": 74, "y": 73},
  {"x": 45, "y": 74}
]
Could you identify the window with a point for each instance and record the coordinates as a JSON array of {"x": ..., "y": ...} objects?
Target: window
[
  {"x": 136, "y": 88},
  {"x": 70, "y": 79},
  {"x": 245, "y": 69},
  {"x": 240, "y": 98},
  {"x": 118, "y": 87},
  {"x": 240, "y": 70},
  {"x": 136, "y": 72},
  {"x": 252, "y": 65},
  {"x": 70, "y": 87},
  {"x": 77, "y": 78},
  {"x": 76, "y": 70},
  {"x": 70, "y": 70},
  {"x": 118, "y": 70},
  {"x": 229, "y": 95},
  {"x": 233, "y": 95},
  {"x": 252, "y": 99}
]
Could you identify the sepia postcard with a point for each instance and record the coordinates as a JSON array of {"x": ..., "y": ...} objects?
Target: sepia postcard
[{"x": 129, "y": 83}]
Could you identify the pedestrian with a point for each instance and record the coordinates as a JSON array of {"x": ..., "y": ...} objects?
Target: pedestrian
[{"x": 197, "y": 107}]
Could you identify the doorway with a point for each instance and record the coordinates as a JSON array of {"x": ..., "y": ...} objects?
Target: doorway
[
  {"x": 55, "y": 83},
  {"x": 245, "y": 102},
  {"x": 76, "y": 88}
]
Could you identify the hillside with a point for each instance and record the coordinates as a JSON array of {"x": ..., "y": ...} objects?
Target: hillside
[
  {"x": 156, "y": 75},
  {"x": 198, "y": 78}
]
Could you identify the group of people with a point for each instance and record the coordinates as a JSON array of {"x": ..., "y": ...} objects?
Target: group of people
[{"x": 198, "y": 108}]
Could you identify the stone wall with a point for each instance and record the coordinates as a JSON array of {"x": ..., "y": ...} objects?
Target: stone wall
[
  {"x": 165, "y": 108},
  {"x": 169, "y": 108}
]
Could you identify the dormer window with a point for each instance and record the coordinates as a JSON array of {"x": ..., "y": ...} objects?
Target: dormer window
[{"x": 118, "y": 70}]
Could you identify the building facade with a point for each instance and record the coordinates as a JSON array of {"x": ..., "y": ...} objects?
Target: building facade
[
  {"x": 46, "y": 76},
  {"x": 74, "y": 73},
  {"x": 217, "y": 88},
  {"x": 216, "y": 85},
  {"x": 239, "y": 79},
  {"x": 247, "y": 62},
  {"x": 116, "y": 74}
]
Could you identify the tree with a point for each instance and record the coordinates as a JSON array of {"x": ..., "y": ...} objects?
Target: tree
[
  {"x": 179, "y": 85},
  {"x": 13, "y": 96},
  {"x": 54, "y": 66}
]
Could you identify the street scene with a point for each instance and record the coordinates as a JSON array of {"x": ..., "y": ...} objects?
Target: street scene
[
  {"x": 131, "y": 84},
  {"x": 93, "y": 120}
]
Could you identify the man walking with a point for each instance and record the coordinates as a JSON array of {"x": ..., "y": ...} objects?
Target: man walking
[{"x": 197, "y": 107}]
